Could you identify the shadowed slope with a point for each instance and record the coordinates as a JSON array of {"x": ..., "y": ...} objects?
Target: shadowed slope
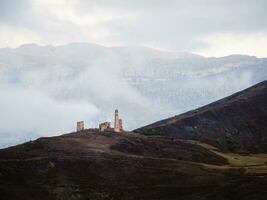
[{"x": 235, "y": 123}]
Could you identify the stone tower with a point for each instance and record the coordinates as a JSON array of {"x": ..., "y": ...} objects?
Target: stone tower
[
  {"x": 120, "y": 124},
  {"x": 80, "y": 126},
  {"x": 117, "y": 121}
]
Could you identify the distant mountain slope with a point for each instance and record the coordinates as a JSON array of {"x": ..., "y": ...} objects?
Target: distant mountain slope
[{"x": 235, "y": 123}]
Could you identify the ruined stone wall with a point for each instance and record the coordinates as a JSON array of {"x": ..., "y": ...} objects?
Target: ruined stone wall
[
  {"x": 80, "y": 125},
  {"x": 104, "y": 126}
]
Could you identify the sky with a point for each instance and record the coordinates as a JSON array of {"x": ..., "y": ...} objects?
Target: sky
[{"x": 206, "y": 27}]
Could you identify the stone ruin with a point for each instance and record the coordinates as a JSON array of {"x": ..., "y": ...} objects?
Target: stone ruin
[
  {"x": 117, "y": 124},
  {"x": 80, "y": 126},
  {"x": 120, "y": 125},
  {"x": 106, "y": 126}
]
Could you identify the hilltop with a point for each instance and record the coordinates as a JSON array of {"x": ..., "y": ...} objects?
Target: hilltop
[
  {"x": 102, "y": 166},
  {"x": 108, "y": 165},
  {"x": 235, "y": 123}
]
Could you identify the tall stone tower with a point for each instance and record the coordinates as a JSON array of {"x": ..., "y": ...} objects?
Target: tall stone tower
[
  {"x": 120, "y": 124},
  {"x": 117, "y": 121}
]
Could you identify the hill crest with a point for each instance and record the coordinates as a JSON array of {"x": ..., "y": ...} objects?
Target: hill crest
[{"x": 235, "y": 123}]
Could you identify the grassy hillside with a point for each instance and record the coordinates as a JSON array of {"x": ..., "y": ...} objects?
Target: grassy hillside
[
  {"x": 90, "y": 165},
  {"x": 236, "y": 123}
]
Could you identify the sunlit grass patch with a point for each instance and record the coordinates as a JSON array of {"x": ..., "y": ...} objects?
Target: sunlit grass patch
[
  {"x": 243, "y": 161},
  {"x": 234, "y": 159}
]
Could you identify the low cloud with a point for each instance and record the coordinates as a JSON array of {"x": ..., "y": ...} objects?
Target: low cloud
[
  {"x": 16, "y": 36},
  {"x": 44, "y": 90},
  {"x": 226, "y": 44},
  {"x": 27, "y": 114}
]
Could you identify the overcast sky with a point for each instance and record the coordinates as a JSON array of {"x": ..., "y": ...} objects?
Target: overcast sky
[{"x": 207, "y": 27}]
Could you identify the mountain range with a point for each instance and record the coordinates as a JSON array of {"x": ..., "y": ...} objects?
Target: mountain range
[{"x": 49, "y": 88}]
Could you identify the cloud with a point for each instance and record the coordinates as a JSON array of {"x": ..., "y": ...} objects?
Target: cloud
[
  {"x": 66, "y": 21},
  {"x": 172, "y": 24},
  {"x": 27, "y": 113},
  {"x": 177, "y": 25},
  {"x": 227, "y": 43},
  {"x": 70, "y": 11},
  {"x": 53, "y": 87},
  {"x": 14, "y": 37},
  {"x": 13, "y": 10}
]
